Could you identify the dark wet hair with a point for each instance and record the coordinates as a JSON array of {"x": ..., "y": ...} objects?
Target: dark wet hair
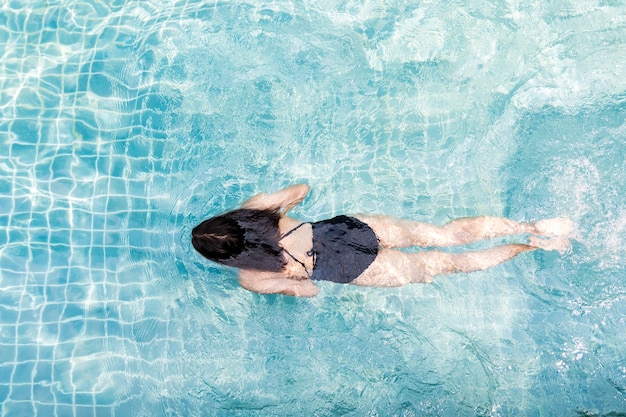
[{"x": 243, "y": 238}]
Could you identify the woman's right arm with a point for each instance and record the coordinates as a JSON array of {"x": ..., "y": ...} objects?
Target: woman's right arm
[
  {"x": 276, "y": 283},
  {"x": 284, "y": 199}
]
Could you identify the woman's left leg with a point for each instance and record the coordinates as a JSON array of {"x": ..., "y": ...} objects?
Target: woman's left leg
[{"x": 393, "y": 268}]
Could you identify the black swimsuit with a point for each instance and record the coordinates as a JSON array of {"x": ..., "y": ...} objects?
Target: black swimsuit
[{"x": 343, "y": 247}]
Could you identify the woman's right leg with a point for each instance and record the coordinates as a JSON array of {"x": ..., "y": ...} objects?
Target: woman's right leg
[{"x": 393, "y": 232}]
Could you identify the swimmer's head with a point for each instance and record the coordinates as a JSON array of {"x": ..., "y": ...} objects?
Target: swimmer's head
[
  {"x": 242, "y": 238},
  {"x": 218, "y": 238}
]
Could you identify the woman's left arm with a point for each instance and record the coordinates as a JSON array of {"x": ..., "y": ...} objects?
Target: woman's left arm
[
  {"x": 285, "y": 199},
  {"x": 276, "y": 283}
]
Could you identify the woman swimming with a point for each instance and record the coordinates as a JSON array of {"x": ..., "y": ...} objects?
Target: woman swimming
[{"x": 277, "y": 254}]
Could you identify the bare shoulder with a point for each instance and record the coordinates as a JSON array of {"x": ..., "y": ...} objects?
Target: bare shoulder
[{"x": 250, "y": 278}]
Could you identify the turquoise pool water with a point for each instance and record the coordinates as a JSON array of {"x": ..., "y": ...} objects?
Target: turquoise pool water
[{"x": 123, "y": 123}]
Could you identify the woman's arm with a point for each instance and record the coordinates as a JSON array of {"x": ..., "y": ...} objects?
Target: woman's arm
[
  {"x": 276, "y": 283},
  {"x": 285, "y": 199}
]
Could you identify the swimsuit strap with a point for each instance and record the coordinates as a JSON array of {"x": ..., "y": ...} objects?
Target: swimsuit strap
[
  {"x": 292, "y": 230},
  {"x": 299, "y": 261},
  {"x": 309, "y": 253}
]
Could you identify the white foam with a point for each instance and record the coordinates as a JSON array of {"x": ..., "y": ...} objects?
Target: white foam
[
  {"x": 578, "y": 188},
  {"x": 416, "y": 38}
]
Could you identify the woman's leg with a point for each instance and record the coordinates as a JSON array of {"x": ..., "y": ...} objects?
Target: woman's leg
[
  {"x": 393, "y": 232},
  {"x": 393, "y": 268}
]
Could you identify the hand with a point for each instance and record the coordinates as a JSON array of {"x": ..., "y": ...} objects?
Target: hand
[{"x": 284, "y": 199}]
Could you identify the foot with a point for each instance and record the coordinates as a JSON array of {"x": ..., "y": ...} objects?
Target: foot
[
  {"x": 560, "y": 226},
  {"x": 560, "y": 244}
]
